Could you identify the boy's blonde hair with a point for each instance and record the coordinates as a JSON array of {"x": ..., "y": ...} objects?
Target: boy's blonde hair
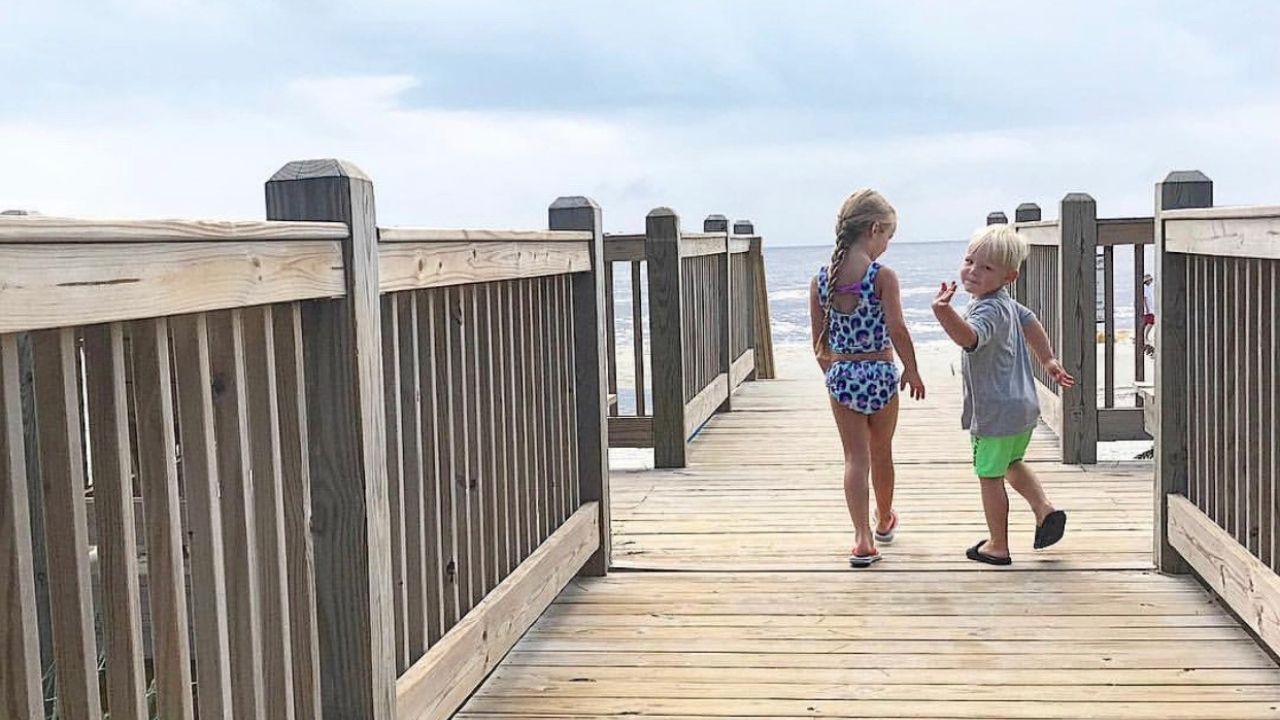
[
  {"x": 1001, "y": 244},
  {"x": 858, "y": 214}
]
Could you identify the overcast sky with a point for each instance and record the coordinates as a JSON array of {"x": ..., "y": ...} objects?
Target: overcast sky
[{"x": 478, "y": 114}]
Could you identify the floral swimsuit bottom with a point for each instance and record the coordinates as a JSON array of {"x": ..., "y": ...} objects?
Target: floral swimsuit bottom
[{"x": 864, "y": 386}]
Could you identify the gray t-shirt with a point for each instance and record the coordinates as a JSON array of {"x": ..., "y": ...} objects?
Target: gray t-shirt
[{"x": 999, "y": 389}]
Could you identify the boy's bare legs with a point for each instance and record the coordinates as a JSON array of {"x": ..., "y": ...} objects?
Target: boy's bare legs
[
  {"x": 1028, "y": 486},
  {"x": 995, "y": 505},
  {"x": 882, "y": 426},
  {"x": 855, "y": 436}
]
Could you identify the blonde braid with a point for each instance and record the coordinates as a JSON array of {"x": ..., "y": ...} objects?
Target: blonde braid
[{"x": 858, "y": 215}]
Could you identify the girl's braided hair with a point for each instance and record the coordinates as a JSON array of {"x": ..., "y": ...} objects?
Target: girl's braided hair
[{"x": 859, "y": 212}]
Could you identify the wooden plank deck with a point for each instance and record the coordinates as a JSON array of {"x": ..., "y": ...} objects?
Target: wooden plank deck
[{"x": 731, "y": 596}]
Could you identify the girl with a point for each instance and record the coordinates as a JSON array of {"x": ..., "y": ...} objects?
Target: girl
[{"x": 856, "y": 312}]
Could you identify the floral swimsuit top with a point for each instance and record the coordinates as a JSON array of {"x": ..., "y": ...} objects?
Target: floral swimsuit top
[{"x": 862, "y": 331}]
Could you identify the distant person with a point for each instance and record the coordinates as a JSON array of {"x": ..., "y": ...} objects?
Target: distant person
[
  {"x": 1148, "y": 312},
  {"x": 856, "y": 312},
  {"x": 1000, "y": 405}
]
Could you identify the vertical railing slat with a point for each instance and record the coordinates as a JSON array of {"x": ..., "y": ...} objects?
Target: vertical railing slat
[
  {"x": 451, "y": 534},
  {"x": 295, "y": 466},
  {"x": 611, "y": 330},
  {"x": 158, "y": 479},
  {"x": 263, "y": 415},
  {"x": 392, "y": 402},
  {"x": 407, "y": 519},
  {"x": 112, "y": 462},
  {"x": 427, "y": 542},
  {"x": 484, "y": 492},
  {"x": 201, "y": 478},
  {"x": 438, "y": 485},
  {"x": 1109, "y": 324},
  {"x": 637, "y": 339},
  {"x": 226, "y": 366},
  {"x": 496, "y": 391},
  {"x": 21, "y": 694},
  {"x": 66, "y": 523}
]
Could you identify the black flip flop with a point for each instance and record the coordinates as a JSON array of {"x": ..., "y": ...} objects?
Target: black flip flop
[
  {"x": 975, "y": 553},
  {"x": 1050, "y": 531}
]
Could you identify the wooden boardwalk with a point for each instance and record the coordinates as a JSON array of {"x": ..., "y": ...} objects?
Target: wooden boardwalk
[{"x": 730, "y": 595}]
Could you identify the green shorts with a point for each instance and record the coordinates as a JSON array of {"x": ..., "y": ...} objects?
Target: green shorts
[{"x": 992, "y": 456}]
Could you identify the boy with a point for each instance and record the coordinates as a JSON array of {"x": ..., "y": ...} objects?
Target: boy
[{"x": 1000, "y": 405}]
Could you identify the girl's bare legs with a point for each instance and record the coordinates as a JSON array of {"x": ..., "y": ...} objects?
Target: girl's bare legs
[
  {"x": 995, "y": 505},
  {"x": 882, "y": 426},
  {"x": 1028, "y": 486},
  {"x": 855, "y": 436}
]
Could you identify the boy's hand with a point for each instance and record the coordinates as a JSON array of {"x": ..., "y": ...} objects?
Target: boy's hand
[
  {"x": 945, "y": 293},
  {"x": 1059, "y": 374},
  {"x": 912, "y": 378}
]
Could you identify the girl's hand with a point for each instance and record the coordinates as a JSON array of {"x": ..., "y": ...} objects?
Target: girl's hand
[
  {"x": 1059, "y": 374},
  {"x": 945, "y": 293},
  {"x": 912, "y": 378}
]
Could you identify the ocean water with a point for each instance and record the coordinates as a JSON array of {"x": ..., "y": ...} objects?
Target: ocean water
[{"x": 788, "y": 271}]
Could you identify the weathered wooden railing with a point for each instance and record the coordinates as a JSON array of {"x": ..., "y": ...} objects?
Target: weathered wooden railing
[
  {"x": 294, "y": 468},
  {"x": 1059, "y": 282},
  {"x": 1218, "y": 397},
  {"x": 707, "y": 328}
]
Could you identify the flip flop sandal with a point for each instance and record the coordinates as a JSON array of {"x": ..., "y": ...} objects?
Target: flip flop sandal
[
  {"x": 975, "y": 553},
  {"x": 887, "y": 537},
  {"x": 1051, "y": 530},
  {"x": 863, "y": 561}
]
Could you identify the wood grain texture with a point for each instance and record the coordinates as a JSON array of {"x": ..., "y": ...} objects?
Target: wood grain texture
[
  {"x": 262, "y": 415},
  {"x": 158, "y": 480},
  {"x": 408, "y": 523},
  {"x": 1177, "y": 192},
  {"x": 21, "y": 694},
  {"x": 741, "y": 369},
  {"x": 666, "y": 324},
  {"x": 392, "y": 384},
  {"x": 1076, "y": 344},
  {"x": 1125, "y": 231},
  {"x": 468, "y": 236},
  {"x": 624, "y": 248},
  {"x": 704, "y": 404},
  {"x": 66, "y": 523},
  {"x": 702, "y": 244},
  {"x": 1256, "y": 236},
  {"x": 631, "y": 432},
  {"x": 762, "y": 335},
  {"x": 436, "y": 539},
  {"x": 202, "y": 480},
  {"x": 349, "y": 493},
  {"x": 58, "y": 285},
  {"x": 295, "y": 468},
  {"x": 441, "y": 681},
  {"x": 112, "y": 466},
  {"x": 45, "y": 229},
  {"x": 409, "y": 266},
  {"x": 1044, "y": 232}
]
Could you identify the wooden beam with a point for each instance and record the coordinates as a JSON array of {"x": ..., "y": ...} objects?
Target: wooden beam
[
  {"x": 1044, "y": 232},
  {"x": 1125, "y": 231},
  {"x": 413, "y": 266},
  {"x": 630, "y": 432},
  {"x": 1247, "y": 237},
  {"x": 742, "y": 368},
  {"x": 1050, "y": 408},
  {"x": 739, "y": 245},
  {"x": 1077, "y": 288},
  {"x": 437, "y": 685},
  {"x": 1121, "y": 424},
  {"x": 704, "y": 404},
  {"x": 591, "y": 337},
  {"x": 624, "y": 248},
  {"x": 351, "y": 519},
  {"x": 467, "y": 237},
  {"x": 666, "y": 315},
  {"x": 699, "y": 244},
  {"x": 63, "y": 285},
  {"x": 1178, "y": 190},
  {"x": 762, "y": 330},
  {"x": 42, "y": 229},
  {"x": 1248, "y": 587}
]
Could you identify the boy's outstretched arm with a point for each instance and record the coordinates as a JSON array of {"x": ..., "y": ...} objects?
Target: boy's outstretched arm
[
  {"x": 1042, "y": 348},
  {"x": 961, "y": 332}
]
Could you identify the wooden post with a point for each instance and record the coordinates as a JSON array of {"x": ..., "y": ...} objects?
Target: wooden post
[
  {"x": 1025, "y": 212},
  {"x": 1179, "y": 190},
  {"x": 345, "y": 423},
  {"x": 1078, "y": 288},
  {"x": 720, "y": 224},
  {"x": 591, "y": 336},
  {"x": 662, "y": 251},
  {"x": 997, "y": 218},
  {"x": 761, "y": 340}
]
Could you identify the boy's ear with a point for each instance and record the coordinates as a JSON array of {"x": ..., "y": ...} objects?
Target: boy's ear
[{"x": 1012, "y": 277}]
